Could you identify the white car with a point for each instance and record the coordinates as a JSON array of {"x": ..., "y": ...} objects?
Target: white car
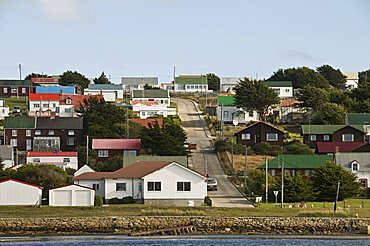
[
  {"x": 16, "y": 109},
  {"x": 211, "y": 184}
]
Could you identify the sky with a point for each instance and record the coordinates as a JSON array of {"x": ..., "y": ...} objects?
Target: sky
[{"x": 250, "y": 38}]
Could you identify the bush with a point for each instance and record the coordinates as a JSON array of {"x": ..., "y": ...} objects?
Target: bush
[
  {"x": 264, "y": 148},
  {"x": 98, "y": 201},
  {"x": 115, "y": 200},
  {"x": 128, "y": 200},
  {"x": 297, "y": 148},
  {"x": 208, "y": 201}
]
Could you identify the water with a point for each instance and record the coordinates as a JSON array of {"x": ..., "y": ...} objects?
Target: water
[{"x": 187, "y": 240}]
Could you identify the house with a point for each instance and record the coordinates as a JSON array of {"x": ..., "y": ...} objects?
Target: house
[
  {"x": 138, "y": 83},
  {"x": 7, "y": 155},
  {"x": 305, "y": 164},
  {"x": 15, "y": 88},
  {"x": 284, "y": 89},
  {"x": 289, "y": 111},
  {"x": 154, "y": 182},
  {"x": 110, "y": 92},
  {"x": 45, "y": 81},
  {"x": 331, "y": 133},
  {"x": 260, "y": 132},
  {"x": 4, "y": 111},
  {"x": 71, "y": 196},
  {"x": 331, "y": 148},
  {"x": 43, "y": 134},
  {"x": 191, "y": 83},
  {"x": 55, "y": 89},
  {"x": 108, "y": 148},
  {"x": 357, "y": 163},
  {"x": 228, "y": 112},
  {"x": 15, "y": 192},
  {"x": 146, "y": 109},
  {"x": 160, "y": 96},
  {"x": 83, "y": 169},
  {"x": 70, "y": 103},
  {"x": 227, "y": 84},
  {"x": 182, "y": 160},
  {"x": 43, "y": 105},
  {"x": 351, "y": 80},
  {"x": 61, "y": 159},
  {"x": 358, "y": 119},
  {"x": 148, "y": 121}
]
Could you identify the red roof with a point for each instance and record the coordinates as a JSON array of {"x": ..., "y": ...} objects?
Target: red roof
[
  {"x": 147, "y": 121},
  {"x": 332, "y": 147},
  {"x": 21, "y": 182},
  {"x": 290, "y": 103},
  {"x": 76, "y": 100},
  {"x": 127, "y": 144},
  {"x": 44, "y": 80},
  {"x": 43, "y": 97},
  {"x": 72, "y": 185},
  {"x": 41, "y": 153},
  {"x": 92, "y": 175}
]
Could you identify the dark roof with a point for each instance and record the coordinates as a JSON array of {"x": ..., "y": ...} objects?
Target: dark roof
[
  {"x": 92, "y": 175},
  {"x": 15, "y": 83},
  {"x": 121, "y": 144},
  {"x": 150, "y": 94},
  {"x": 259, "y": 122},
  {"x": 60, "y": 123},
  {"x": 297, "y": 161},
  {"x": 19, "y": 123},
  {"x": 332, "y": 147},
  {"x": 191, "y": 80},
  {"x": 327, "y": 129},
  {"x": 278, "y": 83},
  {"x": 358, "y": 119}
]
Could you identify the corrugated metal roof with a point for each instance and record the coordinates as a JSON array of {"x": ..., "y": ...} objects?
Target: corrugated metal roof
[
  {"x": 150, "y": 94},
  {"x": 139, "y": 80},
  {"x": 64, "y": 123},
  {"x": 345, "y": 160},
  {"x": 326, "y": 129},
  {"x": 92, "y": 176},
  {"x": 105, "y": 87},
  {"x": 11, "y": 82},
  {"x": 332, "y": 147},
  {"x": 226, "y": 100},
  {"x": 297, "y": 161},
  {"x": 42, "y": 153},
  {"x": 43, "y": 97},
  {"x": 191, "y": 80},
  {"x": 19, "y": 123},
  {"x": 21, "y": 182},
  {"x": 351, "y": 75},
  {"x": 138, "y": 169},
  {"x": 183, "y": 160},
  {"x": 55, "y": 89},
  {"x": 278, "y": 83},
  {"x": 358, "y": 119},
  {"x": 121, "y": 144}
]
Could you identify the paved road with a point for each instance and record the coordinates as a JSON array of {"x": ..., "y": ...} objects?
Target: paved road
[{"x": 204, "y": 159}]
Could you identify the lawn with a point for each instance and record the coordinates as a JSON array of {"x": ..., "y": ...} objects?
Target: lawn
[{"x": 12, "y": 101}]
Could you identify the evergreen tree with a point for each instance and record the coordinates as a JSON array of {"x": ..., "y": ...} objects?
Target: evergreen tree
[
  {"x": 213, "y": 82},
  {"x": 73, "y": 78},
  {"x": 333, "y": 76},
  {"x": 102, "y": 79}
]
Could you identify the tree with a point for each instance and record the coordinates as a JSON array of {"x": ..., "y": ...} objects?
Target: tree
[
  {"x": 297, "y": 148},
  {"x": 150, "y": 87},
  {"x": 364, "y": 76},
  {"x": 361, "y": 96},
  {"x": 329, "y": 114},
  {"x": 69, "y": 77},
  {"x": 300, "y": 77},
  {"x": 313, "y": 97},
  {"x": 35, "y": 75},
  {"x": 213, "y": 82},
  {"x": 333, "y": 76},
  {"x": 256, "y": 182},
  {"x": 297, "y": 188},
  {"x": 254, "y": 95},
  {"x": 326, "y": 180},
  {"x": 102, "y": 79}
]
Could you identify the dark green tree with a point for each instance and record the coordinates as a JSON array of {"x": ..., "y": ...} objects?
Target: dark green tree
[
  {"x": 102, "y": 79},
  {"x": 150, "y": 87},
  {"x": 329, "y": 114},
  {"x": 35, "y": 75},
  {"x": 297, "y": 148},
  {"x": 313, "y": 97},
  {"x": 256, "y": 182},
  {"x": 364, "y": 76},
  {"x": 300, "y": 77},
  {"x": 213, "y": 82},
  {"x": 361, "y": 97},
  {"x": 297, "y": 188},
  {"x": 333, "y": 76},
  {"x": 69, "y": 77},
  {"x": 254, "y": 95},
  {"x": 326, "y": 180}
]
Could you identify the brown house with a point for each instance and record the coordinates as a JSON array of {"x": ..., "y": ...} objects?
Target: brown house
[
  {"x": 108, "y": 148},
  {"x": 43, "y": 134},
  {"x": 260, "y": 132},
  {"x": 15, "y": 88}
]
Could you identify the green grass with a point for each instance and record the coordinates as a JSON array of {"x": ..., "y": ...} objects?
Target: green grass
[{"x": 11, "y": 102}]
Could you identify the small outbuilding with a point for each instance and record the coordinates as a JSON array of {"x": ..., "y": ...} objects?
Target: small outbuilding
[
  {"x": 15, "y": 192},
  {"x": 71, "y": 195}
]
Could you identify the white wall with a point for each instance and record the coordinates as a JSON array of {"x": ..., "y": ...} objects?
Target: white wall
[
  {"x": 14, "y": 193},
  {"x": 66, "y": 111},
  {"x": 71, "y": 195},
  {"x": 108, "y": 95},
  {"x": 169, "y": 176},
  {"x": 89, "y": 183},
  {"x": 145, "y": 111},
  {"x": 191, "y": 88},
  {"x": 161, "y": 101},
  {"x": 283, "y": 91},
  {"x": 4, "y": 112},
  {"x": 132, "y": 188},
  {"x": 52, "y": 105},
  {"x": 230, "y": 118},
  {"x": 55, "y": 160}
]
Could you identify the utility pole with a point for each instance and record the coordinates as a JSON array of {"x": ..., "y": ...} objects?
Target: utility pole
[
  {"x": 174, "y": 79},
  {"x": 232, "y": 153},
  {"x": 336, "y": 198},
  {"x": 222, "y": 121},
  {"x": 245, "y": 168},
  {"x": 267, "y": 180},
  {"x": 87, "y": 149},
  {"x": 282, "y": 183},
  {"x": 20, "y": 77}
]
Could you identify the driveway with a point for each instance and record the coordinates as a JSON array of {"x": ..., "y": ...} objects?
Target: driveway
[{"x": 204, "y": 159}]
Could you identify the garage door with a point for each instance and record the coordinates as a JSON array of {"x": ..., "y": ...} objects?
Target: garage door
[
  {"x": 83, "y": 198},
  {"x": 62, "y": 198}
]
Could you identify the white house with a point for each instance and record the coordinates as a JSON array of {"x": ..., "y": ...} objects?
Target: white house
[
  {"x": 61, "y": 159},
  {"x": 191, "y": 83},
  {"x": 228, "y": 112},
  {"x": 156, "y": 182},
  {"x": 351, "y": 79},
  {"x": 356, "y": 162},
  {"x": 69, "y": 103},
  {"x": 71, "y": 195},
  {"x": 138, "y": 83},
  {"x": 43, "y": 104},
  {"x": 7, "y": 155},
  {"x": 162, "y": 97},
  {"x": 15, "y": 192},
  {"x": 146, "y": 109},
  {"x": 4, "y": 111},
  {"x": 284, "y": 89},
  {"x": 110, "y": 92},
  {"x": 227, "y": 84}
]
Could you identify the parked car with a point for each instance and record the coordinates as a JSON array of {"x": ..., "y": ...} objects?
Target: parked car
[
  {"x": 16, "y": 109},
  {"x": 211, "y": 184}
]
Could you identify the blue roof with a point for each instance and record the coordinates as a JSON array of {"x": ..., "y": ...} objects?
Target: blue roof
[
  {"x": 55, "y": 89},
  {"x": 105, "y": 87}
]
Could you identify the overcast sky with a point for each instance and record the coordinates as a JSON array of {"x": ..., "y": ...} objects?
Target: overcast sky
[{"x": 150, "y": 37}]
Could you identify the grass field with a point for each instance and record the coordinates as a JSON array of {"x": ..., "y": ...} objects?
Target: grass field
[
  {"x": 348, "y": 208},
  {"x": 11, "y": 102}
]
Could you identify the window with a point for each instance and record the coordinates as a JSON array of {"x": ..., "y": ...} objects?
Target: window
[
  {"x": 68, "y": 101},
  {"x": 45, "y": 105},
  {"x": 66, "y": 160},
  {"x": 28, "y": 133},
  {"x": 154, "y": 186},
  {"x": 24, "y": 90},
  {"x": 355, "y": 166},
  {"x": 36, "y": 105},
  {"x": 313, "y": 137},
  {"x": 70, "y": 141},
  {"x": 14, "y": 133},
  {"x": 13, "y": 142},
  {"x": 37, "y": 132},
  {"x": 54, "y": 105},
  {"x": 120, "y": 186},
  {"x": 348, "y": 137},
  {"x": 246, "y": 136},
  {"x": 102, "y": 153},
  {"x": 36, "y": 160},
  {"x": 287, "y": 90},
  {"x": 14, "y": 90},
  {"x": 51, "y": 132},
  {"x": 5, "y": 90},
  {"x": 273, "y": 172},
  {"x": 363, "y": 183},
  {"x": 250, "y": 113},
  {"x": 272, "y": 137},
  {"x": 129, "y": 153},
  {"x": 183, "y": 186},
  {"x": 226, "y": 114},
  {"x": 68, "y": 110},
  {"x": 71, "y": 132},
  {"x": 95, "y": 186},
  {"x": 326, "y": 137}
]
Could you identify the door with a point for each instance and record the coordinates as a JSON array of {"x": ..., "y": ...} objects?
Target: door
[{"x": 28, "y": 144}]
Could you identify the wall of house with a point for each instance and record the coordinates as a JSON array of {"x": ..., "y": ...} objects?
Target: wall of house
[
  {"x": 284, "y": 91},
  {"x": 14, "y": 193},
  {"x": 358, "y": 136},
  {"x": 89, "y": 183},
  {"x": 56, "y": 160},
  {"x": 23, "y": 91},
  {"x": 191, "y": 88},
  {"x": 4, "y": 112},
  {"x": 108, "y": 95},
  {"x": 34, "y": 106},
  {"x": 319, "y": 138},
  {"x": 258, "y": 133},
  {"x": 161, "y": 101},
  {"x": 21, "y": 138},
  {"x": 132, "y": 188},
  {"x": 169, "y": 176},
  {"x": 66, "y": 111}
]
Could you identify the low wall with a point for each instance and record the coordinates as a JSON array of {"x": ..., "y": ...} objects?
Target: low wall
[{"x": 200, "y": 225}]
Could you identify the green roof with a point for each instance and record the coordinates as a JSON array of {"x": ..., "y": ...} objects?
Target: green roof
[
  {"x": 226, "y": 100},
  {"x": 278, "y": 83},
  {"x": 358, "y": 119},
  {"x": 297, "y": 161},
  {"x": 19, "y": 123},
  {"x": 326, "y": 129},
  {"x": 191, "y": 80},
  {"x": 150, "y": 94},
  {"x": 13, "y": 82}
]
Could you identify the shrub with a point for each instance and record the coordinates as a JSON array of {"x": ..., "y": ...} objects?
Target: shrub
[
  {"x": 297, "y": 148},
  {"x": 115, "y": 200},
  {"x": 208, "y": 201},
  {"x": 264, "y": 148},
  {"x": 98, "y": 201},
  {"x": 127, "y": 200}
]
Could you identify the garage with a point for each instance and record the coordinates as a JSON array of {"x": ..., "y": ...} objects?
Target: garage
[{"x": 71, "y": 195}]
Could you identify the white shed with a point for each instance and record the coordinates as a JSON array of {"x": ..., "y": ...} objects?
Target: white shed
[
  {"x": 71, "y": 195},
  {"x": 15, "y": 192}
]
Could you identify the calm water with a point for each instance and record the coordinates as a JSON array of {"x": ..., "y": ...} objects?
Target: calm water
[{"x": 187, "y": 241}]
